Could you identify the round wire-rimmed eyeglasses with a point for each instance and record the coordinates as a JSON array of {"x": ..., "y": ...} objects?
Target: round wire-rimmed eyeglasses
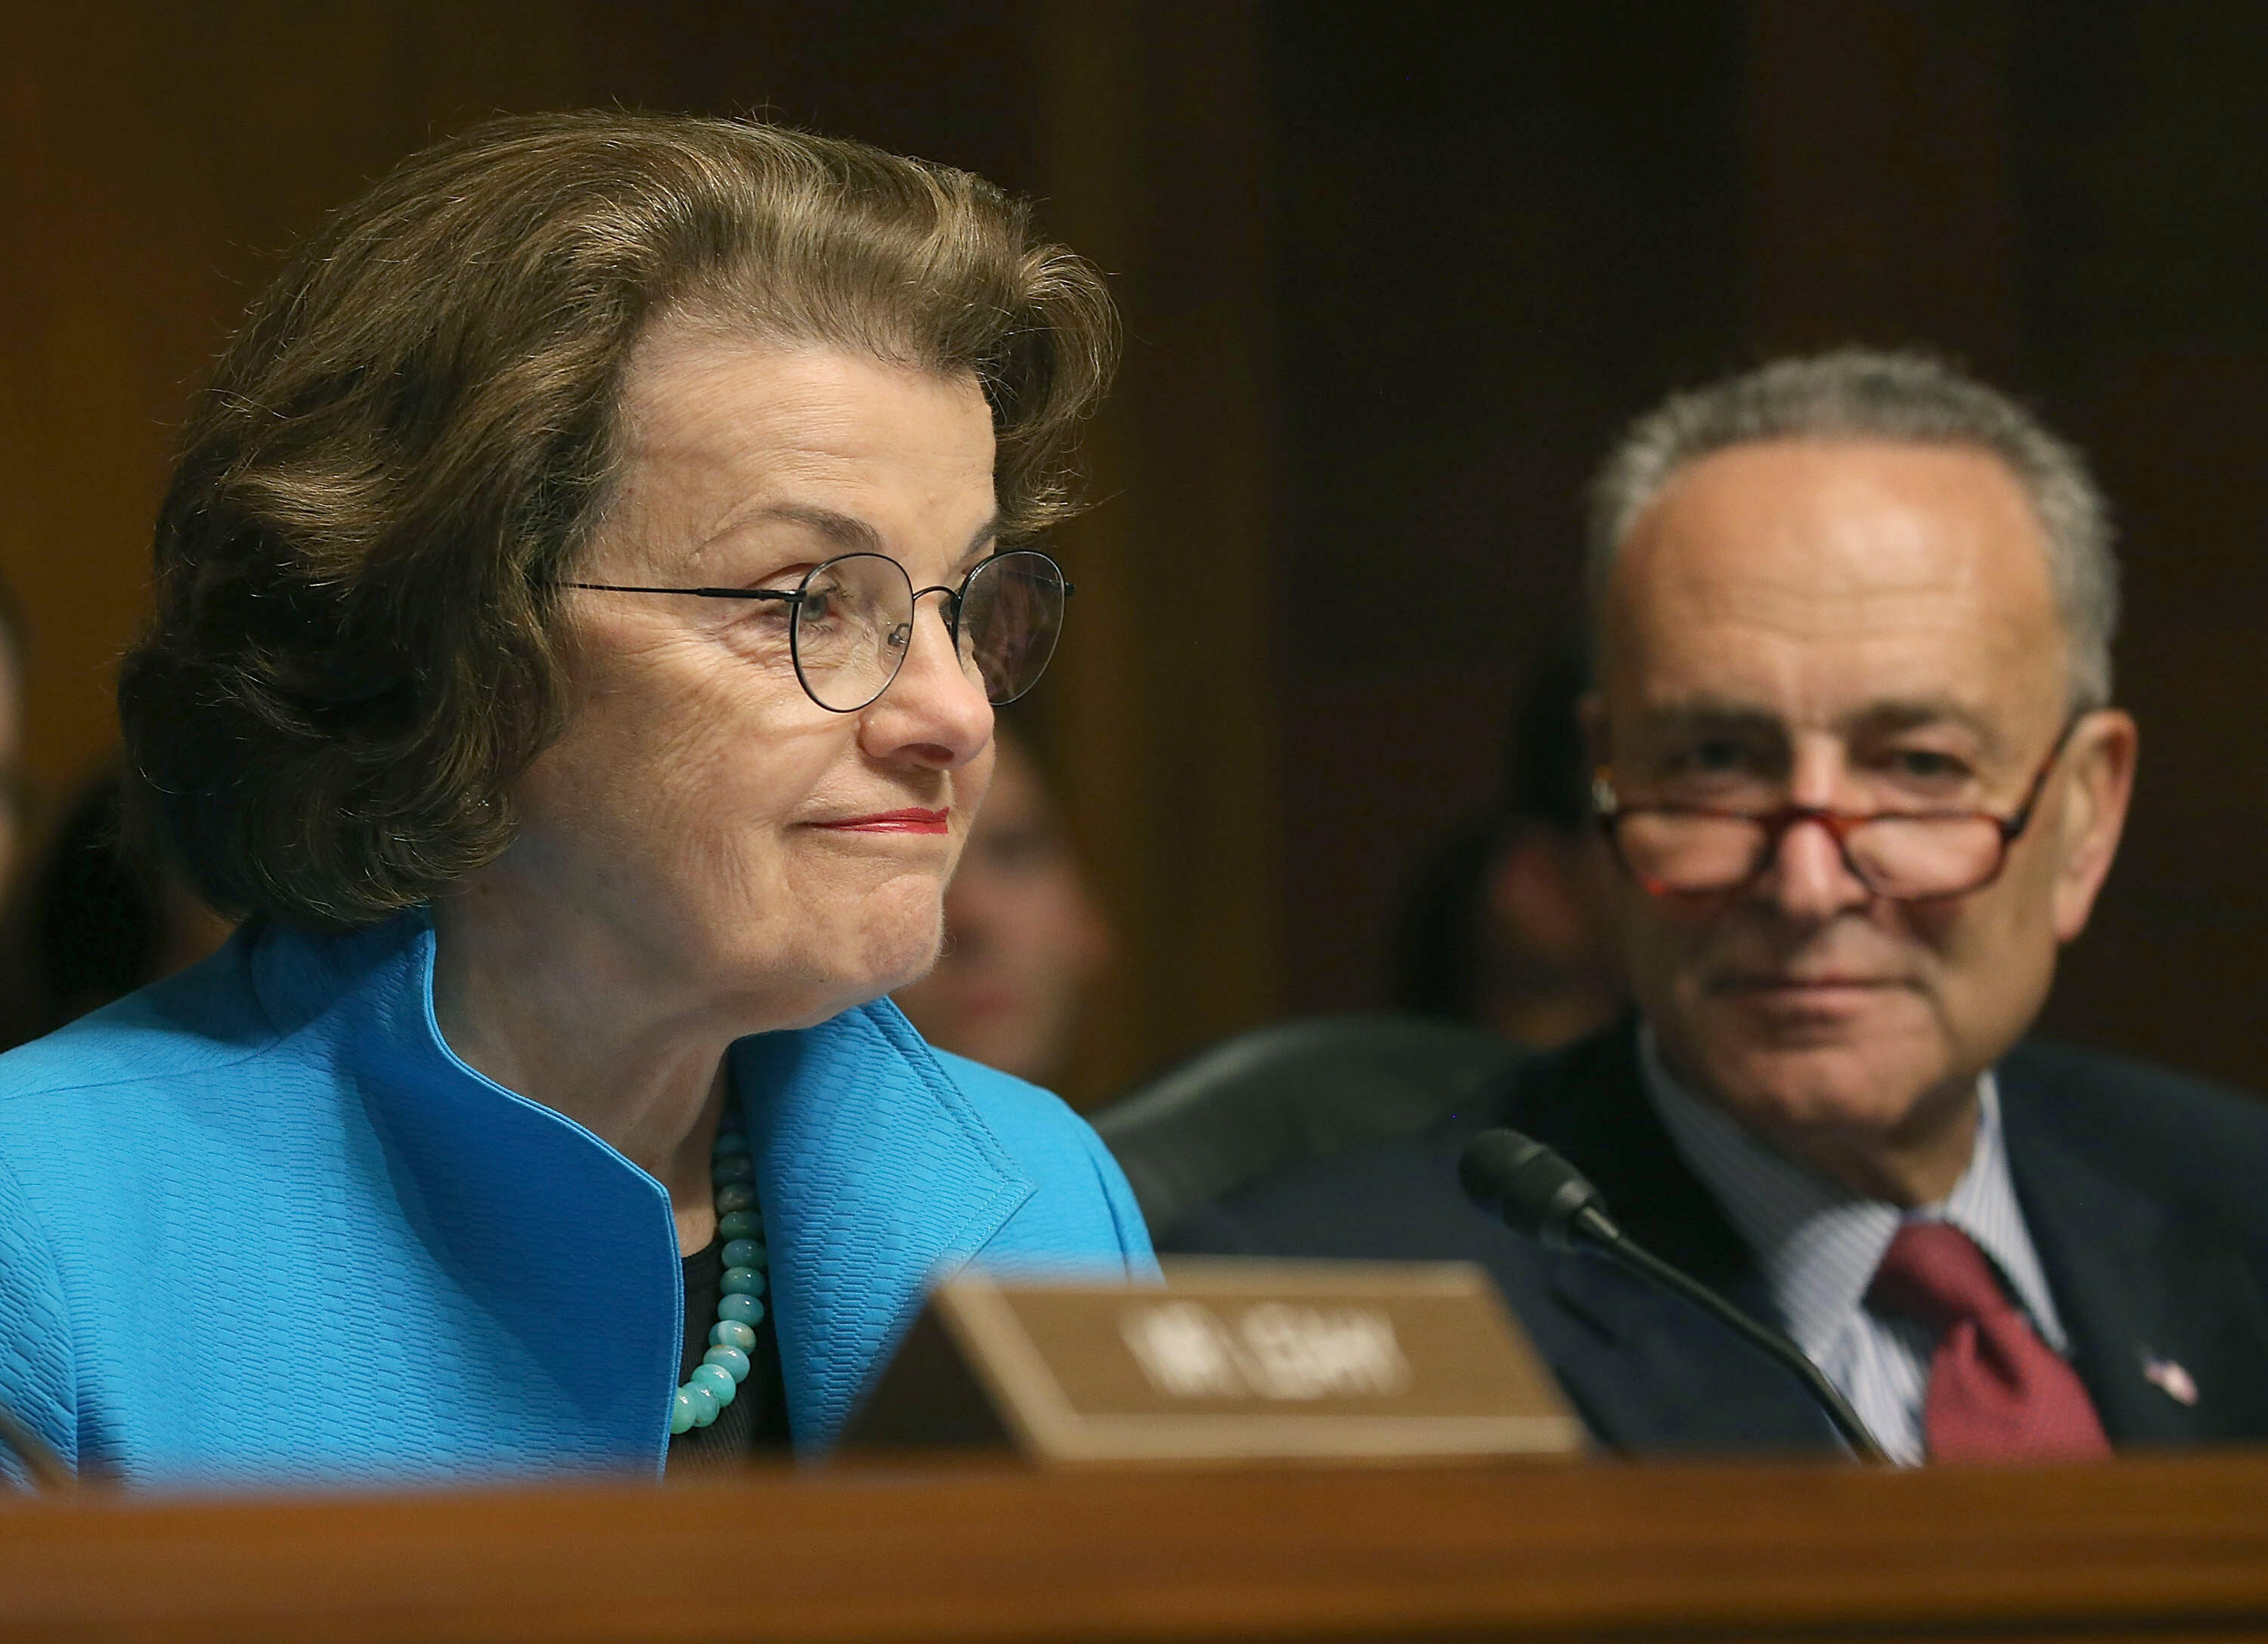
[
  {"x": 1904, "y": 856},
  {"x": 850, "y": 622}
]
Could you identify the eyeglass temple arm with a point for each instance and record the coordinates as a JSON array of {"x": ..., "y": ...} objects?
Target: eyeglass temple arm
[{"x": 2012, "y": 827}]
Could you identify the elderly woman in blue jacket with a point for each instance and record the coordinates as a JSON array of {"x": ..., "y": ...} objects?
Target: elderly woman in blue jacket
[{"x": 580, "y": 610}]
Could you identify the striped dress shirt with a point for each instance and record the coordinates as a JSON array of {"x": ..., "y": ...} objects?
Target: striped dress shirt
[{"x": 1818, "y": 1245}]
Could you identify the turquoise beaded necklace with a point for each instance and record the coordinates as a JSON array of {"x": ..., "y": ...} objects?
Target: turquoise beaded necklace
[{"x": 715, "y": 1381}]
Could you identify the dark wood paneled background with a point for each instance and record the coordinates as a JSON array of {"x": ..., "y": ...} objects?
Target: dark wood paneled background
[{"x": 1391, "y": 277}]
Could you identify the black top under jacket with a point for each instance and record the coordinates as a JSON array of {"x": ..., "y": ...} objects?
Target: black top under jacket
[{"x": 755, "y": 1422}]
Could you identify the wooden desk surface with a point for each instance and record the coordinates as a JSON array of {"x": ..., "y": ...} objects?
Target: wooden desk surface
[{"x": 2141, "y": 1549}]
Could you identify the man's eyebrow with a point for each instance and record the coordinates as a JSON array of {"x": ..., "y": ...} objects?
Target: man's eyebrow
[
  {"x": 1910, "y": 714},
  {"x": 1713, "y": 714},
  {"x": 1891, "y": 714}
]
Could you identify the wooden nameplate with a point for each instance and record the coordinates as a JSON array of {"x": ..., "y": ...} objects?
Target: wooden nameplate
[{"x": 1230, "y": 1360}]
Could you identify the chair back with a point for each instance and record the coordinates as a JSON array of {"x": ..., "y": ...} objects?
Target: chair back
[{"x": 1289, "y": 1094}]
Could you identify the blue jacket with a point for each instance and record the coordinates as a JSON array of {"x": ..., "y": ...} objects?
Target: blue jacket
[{"x": 259, "y": 1225}]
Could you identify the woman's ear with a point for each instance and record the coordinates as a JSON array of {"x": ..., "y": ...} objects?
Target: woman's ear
[{"x": 2093, "y": 814}]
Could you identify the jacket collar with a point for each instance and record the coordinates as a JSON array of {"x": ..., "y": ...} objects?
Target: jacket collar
[
  {"x": 1589, "y": 1102},
  {"x": 569, "y": 1247},
  {"x": 875, "y": 1171},
  {"x": 1660, "y": 1371},
  {"x": 877, "y": 1175}
]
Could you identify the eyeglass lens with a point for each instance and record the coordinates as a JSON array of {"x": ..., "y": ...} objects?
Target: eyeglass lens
[
  {"x": 1011, "y": 612},
  {"x": 855, "y": 620},
  {"x": 1905, "y": 857}
]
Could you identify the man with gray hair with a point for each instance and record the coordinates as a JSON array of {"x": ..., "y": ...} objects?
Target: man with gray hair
[{"x": 1857, "y": 765}]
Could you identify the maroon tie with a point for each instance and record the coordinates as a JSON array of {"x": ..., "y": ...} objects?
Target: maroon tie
[{"x": 1997, "y": 1392}]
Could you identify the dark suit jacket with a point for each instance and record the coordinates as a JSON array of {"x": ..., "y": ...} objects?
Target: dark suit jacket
[{"x": 2145, "y": 1192}]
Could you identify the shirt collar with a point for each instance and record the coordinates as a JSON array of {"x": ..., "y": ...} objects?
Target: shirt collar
[{"x": 1817, "y": 1243}]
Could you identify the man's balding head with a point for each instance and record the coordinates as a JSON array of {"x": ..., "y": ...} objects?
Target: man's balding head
[
  {"x": 1865, "y": 395},
  {"x": 1854, "y": 624}
]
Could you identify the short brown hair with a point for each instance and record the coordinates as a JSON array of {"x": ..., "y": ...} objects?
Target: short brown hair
[{"x": 355, "y": 645}]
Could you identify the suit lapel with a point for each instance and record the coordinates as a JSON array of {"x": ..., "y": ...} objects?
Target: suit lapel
[
  {"x": 1592, "y": 1106},
  {"x": 2166, "y": 1326},
  {"x": 877, "y": 1175},
  {"x": 1652, "y": 1370}
]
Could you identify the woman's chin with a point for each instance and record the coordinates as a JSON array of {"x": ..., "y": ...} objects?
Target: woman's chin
[
  {"x": 827, "y": 979},
  {"x": 908, "y": 963}
]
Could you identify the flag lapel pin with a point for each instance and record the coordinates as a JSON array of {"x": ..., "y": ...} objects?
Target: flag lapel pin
[{"x": 2168, "y": 1378}]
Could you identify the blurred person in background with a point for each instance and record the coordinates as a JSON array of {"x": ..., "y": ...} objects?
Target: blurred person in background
[
  {"x": 93, "y": 919},
  {"x": 1507, "y": 926},
  {"x": 1859, "y": 758},
  {"x": 1025, "y": 940}
]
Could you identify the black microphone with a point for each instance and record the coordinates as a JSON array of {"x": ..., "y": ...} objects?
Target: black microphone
[{"x": 1540, "y": 1194}]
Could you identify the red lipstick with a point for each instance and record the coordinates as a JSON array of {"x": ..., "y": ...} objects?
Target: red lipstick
[{"x": 913, "y": 819}]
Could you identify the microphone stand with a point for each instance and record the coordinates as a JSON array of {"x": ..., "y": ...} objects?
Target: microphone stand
[
  {"x": 1601, "y": 1234},
  {"x": 1534, "y": 1190}
]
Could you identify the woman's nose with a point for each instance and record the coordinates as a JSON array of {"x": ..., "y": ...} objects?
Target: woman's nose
[{"x": 935, "y": 712}]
